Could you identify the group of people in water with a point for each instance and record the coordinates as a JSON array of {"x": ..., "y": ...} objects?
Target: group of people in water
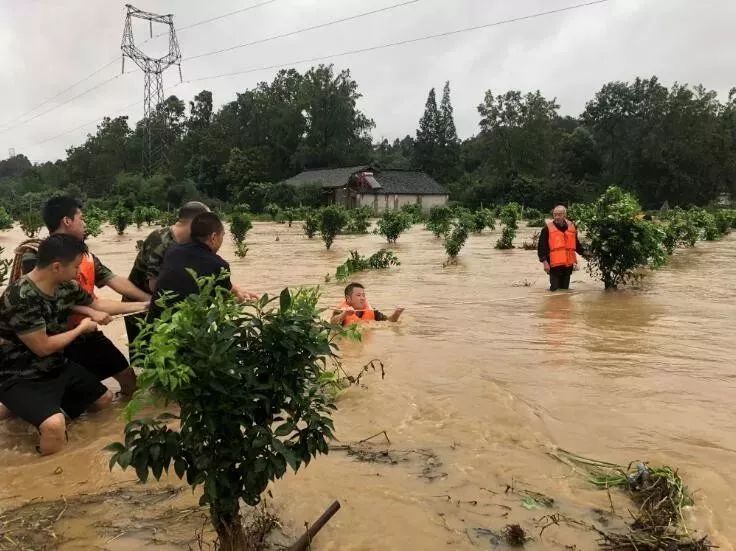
[{"x": 53, "y": 356}]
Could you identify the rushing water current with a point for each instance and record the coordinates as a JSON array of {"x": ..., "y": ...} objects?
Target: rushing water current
[{"x": 486, "y": 373}]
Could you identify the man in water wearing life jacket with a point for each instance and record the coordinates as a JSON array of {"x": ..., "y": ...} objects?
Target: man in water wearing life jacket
[
  {"x": 94, "y": 351},
  {"x": 558, "y": 248},
  {"x": 356, "y": 309}
]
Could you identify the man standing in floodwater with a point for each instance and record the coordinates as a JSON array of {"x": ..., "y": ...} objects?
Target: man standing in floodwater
[
  {"x": 558, "y": 248},
  {"x": 148, "y": 261}
]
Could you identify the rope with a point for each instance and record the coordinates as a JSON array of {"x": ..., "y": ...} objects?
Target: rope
[{"x": 478, "y": 302}]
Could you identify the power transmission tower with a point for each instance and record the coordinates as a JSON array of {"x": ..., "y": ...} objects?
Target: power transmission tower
[{"x": 153, "y": 85}]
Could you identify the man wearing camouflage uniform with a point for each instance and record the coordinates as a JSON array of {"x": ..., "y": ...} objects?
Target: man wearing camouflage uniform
[
  {"x": 148, "y": 262},
  {"x": 38, "y": 382}
]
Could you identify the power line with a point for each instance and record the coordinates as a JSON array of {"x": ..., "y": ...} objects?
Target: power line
[
  {"x": 97, "y": 120},
  {"x": 55, "y": 107},
  {"x": 403, "y": 42},
  {"x": 217, "y": 18},
  {"x": 360, "y": 50},
  {"x": 65, "y": 90},
  {"x": 298, "y": 31},
  {"x": 117, "y": 58}
]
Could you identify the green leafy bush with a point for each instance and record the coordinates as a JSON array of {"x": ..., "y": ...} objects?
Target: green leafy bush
[
  {"x": 246, "y": 378},
  {"x": 622, "y": 242},
  {"x": 356, "y": 263},
  {"x": 120, "y": 218},
  {"x": 392, "y": 224},
  {"x": 331, "y": 222},
  {"x": 439, "y": 220}
]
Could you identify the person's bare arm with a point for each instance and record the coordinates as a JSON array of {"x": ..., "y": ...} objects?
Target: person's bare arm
[
  {"x": 113, "y": 307},
  {"x": 123, "y": 286},
  {"x": 338, "y": 316},
  {"x": 243, "y": 295},
  {"x": 42, "y": 344},
  {"x": 396, "y": 315},
  {"x": 101, "y": 318}
]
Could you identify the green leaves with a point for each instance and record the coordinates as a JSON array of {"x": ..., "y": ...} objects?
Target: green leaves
[
  {"x": 393, "y": 223},
  {"x": 356, "y": 263},
  {"x": 248, "y": 382},
  {"x": 331, "y": 221},
  {"x": 285, "y": 300}
]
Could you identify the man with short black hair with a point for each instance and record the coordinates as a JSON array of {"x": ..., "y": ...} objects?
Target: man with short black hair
[
  {"x": 356, "y": 309},
  {"x": 63, "y": 215},
  {"x": 150, "y": 257},
  {"x": 38, "y": 382},
  {"x": 200, "y": 255}
]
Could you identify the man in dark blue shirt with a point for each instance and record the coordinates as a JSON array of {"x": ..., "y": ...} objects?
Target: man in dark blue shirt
[{"x": 200, "y": 255}]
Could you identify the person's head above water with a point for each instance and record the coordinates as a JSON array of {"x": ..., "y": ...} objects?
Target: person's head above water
[
  {"x": 207, "y": 228},
  {"x": 559, "y": 213},
  {"x": 355, "y": 296},
  {"x": 191, "y": 209}
]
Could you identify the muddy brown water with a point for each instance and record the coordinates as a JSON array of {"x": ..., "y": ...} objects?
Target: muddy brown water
[{"x": 486, "y": 372}]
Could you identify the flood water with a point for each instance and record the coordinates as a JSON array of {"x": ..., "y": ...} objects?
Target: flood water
[{"x": 486, "y": 372}]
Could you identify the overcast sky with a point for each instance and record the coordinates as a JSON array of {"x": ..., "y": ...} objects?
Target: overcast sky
[{"x": 48, "y": 45}]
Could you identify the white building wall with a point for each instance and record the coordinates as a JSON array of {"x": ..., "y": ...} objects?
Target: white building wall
[{"x": 382, "y": 202}]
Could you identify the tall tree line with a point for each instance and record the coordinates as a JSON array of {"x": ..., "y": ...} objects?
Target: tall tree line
[{"x": 672, "y": 144}]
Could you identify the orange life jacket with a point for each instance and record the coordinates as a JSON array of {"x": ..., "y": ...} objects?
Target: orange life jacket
[
  {"x": 86, "y": 280},
  {"x": 562, "y": 245},
  {"x": 368, "y": 314}
]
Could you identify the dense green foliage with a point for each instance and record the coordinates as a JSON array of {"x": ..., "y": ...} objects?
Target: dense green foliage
[
  {"x": 332, "y": 220},
  {"x": 674, "y": 145},
  {"x": 240, "y": 225},
  {"x": 393, "y": 223},
  {"x": 621, "y": 241},
  {"x": 356, "y": 263},
  {"x": 246, "y": 379},
  {"x": 509, "y": 215},
  {"x": 120, "y": 218},
  {"x": 439, "y": 220}
]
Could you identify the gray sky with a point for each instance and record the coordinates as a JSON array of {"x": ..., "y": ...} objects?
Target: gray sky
[{"x": 48, "y": 45}]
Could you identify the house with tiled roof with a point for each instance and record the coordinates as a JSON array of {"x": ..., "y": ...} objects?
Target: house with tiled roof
[{"x": 379, "y": 189}]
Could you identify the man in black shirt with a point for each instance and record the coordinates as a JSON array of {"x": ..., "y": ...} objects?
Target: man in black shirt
[
  {"x": 557, "y": 248},
  {"x": 200, "y": 255}
]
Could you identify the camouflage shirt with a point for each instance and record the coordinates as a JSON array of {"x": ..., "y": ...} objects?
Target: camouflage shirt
[
  {"x": 103, "y": 274},
  {"x": 24, "y": 308},
  {"x": 147, "y": 264}
]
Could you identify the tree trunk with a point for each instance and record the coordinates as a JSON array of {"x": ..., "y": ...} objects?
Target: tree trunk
[{"x": 230, "y": 532}]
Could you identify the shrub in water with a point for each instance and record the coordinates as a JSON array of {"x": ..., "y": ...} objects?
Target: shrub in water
[
  {"x": 439, "y": 220},
  {"x": 311, "y": 223},
  {"x": 356, "y": 263},
  {"x": 240, "y": 225},
  {"x": 6, "y": 221},
  {"x": 358, "y": 220},
  {"x": 31, "y": 222},
  {"x": 392, "y": 224},
  {"x": 331, "y": 222},
  {"x": 622, "y": 242},
  {"x": 120, "y": 217},
  {"x": 246, "y": 379}
]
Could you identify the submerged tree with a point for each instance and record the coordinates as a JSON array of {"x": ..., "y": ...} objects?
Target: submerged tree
[
  {"x": 509, "y": 215},
  {"x": 240, "y": 225},
  {"x": 622, "y": 242},
  {"x": 332, "y": 221},
  {"x": 247, "y": 382},
  {"x": 393, "y": 223}
]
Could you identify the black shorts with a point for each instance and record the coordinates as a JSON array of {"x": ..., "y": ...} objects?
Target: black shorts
[
  {"x": 96, "y": 353},
  {"x": 70, "y": 390}
]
